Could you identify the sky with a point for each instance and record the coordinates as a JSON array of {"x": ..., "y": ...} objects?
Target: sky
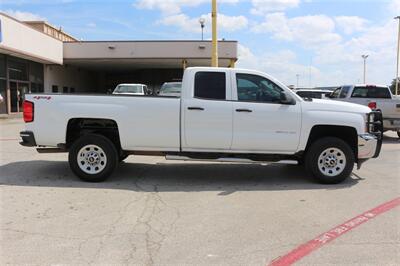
[{"x": 318, "y": 41}]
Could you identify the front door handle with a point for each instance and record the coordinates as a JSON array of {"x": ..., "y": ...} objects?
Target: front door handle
[
  {"x": 196, "y": 108},
  {"x": 244, "y": 110}
]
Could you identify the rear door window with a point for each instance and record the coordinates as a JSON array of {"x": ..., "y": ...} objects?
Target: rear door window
[{"x": 210, "y": 85}]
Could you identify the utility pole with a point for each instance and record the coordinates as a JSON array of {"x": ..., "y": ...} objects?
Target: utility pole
[
  {"x": 398, "y": 55},
  {"x": 214, "y": 55},
  {"x": 309, "y": 73},
  {"x": 365, "y": 56}
]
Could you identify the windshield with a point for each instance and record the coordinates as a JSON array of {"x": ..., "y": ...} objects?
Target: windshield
[
  {"x": 311, "y": 94},
  {"x": 171, "y": 87},
  {"x": 128, "y": 89}
]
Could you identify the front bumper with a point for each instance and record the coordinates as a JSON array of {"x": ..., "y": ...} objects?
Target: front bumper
[
  {"x": 28, "y": 139},
  {"x": 368, "y": 146}
]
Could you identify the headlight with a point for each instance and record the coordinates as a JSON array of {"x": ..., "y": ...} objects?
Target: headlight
[
  {"x": 371, "y": 117},
  {"x": 369, "y": 126}
]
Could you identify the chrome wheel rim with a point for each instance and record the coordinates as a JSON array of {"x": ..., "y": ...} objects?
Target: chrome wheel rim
[
  {"x": 332, "y": 161},
  {"x": 91, "y": 159}
]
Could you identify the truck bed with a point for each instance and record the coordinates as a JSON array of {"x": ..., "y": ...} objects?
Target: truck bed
[{"x": 139, "y": 116}]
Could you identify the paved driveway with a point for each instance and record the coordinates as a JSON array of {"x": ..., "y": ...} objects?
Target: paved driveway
[{"x": 157, "y": 212}]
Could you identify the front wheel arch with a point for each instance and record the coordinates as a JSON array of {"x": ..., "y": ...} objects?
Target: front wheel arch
[{"x": 345, "y": 133}]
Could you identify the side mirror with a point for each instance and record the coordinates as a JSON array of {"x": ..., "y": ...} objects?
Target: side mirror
[{"x": 285, "y": 98}]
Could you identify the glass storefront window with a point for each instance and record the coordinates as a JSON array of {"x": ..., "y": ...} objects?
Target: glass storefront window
[
  {"x": 36, "y": 87},
  {"x": 2, "y": 66},
  {"x": 36, "y": 72},
  {"x": 24, "y": 76},
  {"x": 3, "y": 92},
  {"x": 17, "y": 70}
]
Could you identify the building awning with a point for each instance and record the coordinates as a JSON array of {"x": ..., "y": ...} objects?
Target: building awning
[
  {"x": 120, "y": 55},
  {"x": 20, "y": 40}
]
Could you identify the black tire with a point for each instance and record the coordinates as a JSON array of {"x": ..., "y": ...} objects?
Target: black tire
[
  {"x": 122, "y": 157},
  {"x": 106, "y": 151},
  {"x": 322, "y": 155}
]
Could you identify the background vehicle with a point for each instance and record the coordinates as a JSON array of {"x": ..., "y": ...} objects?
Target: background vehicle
[
  {"x": 224, "y": 114},
  {"x": 375, "y": 97},
  {"x": 129, "y": 88},
  {"x": 171, "y": 89},
  {"x": 315, "y": 94}
]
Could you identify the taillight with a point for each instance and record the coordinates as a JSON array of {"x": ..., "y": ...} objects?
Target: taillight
[
  {"x": 28, "y": 111},
  {"x": 372, "y": 105}
]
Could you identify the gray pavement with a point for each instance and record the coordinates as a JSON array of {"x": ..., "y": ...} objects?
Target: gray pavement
[{"x": 153, "y": 211}]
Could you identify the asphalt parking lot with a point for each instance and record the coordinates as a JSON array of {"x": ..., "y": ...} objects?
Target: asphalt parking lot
[{"x": 154, "y": 211}]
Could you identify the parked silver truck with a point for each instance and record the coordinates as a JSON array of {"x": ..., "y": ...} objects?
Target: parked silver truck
[{"x": 377, "y": 98}]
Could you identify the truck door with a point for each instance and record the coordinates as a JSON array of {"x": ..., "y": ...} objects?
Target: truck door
[
  {"x": 260, "y": 122},
  {"x": 206, "y": 114}
]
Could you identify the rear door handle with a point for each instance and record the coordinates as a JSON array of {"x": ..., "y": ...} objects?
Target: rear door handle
[
  {"x": 244, "y": 110},
  {"x": 196, "y": 108}
]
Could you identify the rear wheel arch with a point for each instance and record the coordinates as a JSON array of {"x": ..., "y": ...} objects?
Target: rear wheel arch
[{"x": 79, "y": 127}]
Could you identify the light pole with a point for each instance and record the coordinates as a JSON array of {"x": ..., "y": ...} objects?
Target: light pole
[
  {"x": 202, "y": 22},
  {"x": 365, "y": 56},
  {"x": 398, "y": 54},
  {"x": 297, "y": 77}
]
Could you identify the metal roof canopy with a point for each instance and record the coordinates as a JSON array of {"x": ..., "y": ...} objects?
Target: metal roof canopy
[{"x": 123, "y": 55}]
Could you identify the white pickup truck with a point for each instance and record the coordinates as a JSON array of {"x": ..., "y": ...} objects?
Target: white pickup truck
[
  {"x": 376, "y": 97},
  {"x": 223, "y": 114}
]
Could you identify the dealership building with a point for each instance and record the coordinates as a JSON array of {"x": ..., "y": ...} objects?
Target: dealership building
[{"x": 37, "y": 57}]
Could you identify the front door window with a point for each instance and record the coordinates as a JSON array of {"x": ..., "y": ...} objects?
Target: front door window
[{"x": 253, "y": 88}]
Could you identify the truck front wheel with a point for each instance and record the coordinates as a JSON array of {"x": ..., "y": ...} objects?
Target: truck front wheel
[
  {"x": 330, "y": 160},
  {"x": 122, "y": 157},
  {"x": 93, "y": 158}
]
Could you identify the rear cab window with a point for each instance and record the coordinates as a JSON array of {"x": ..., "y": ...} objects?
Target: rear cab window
[{"x": 371, "y": 92}]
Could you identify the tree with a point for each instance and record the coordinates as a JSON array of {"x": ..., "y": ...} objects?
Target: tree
[{"x": 393, "y": 86}]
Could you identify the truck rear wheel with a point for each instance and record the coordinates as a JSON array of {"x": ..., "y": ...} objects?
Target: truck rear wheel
[
  {"x": 93, "y": 158},
  {"x": 330, "y": 160}
]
